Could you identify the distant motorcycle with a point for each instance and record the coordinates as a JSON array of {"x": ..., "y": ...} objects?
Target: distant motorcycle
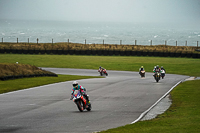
[
  {"x": 162, "y": 74},
  {"x": 142, "y": 74},
  {"x": 103, "y": 72},
  {"x": 81, "y": 101},
  {"x": 157, "y": 76}
]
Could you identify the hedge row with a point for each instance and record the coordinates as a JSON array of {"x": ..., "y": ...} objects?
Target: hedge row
[
  {"x": 101, "y": 52},
  {"x": 27, "y": 76}
]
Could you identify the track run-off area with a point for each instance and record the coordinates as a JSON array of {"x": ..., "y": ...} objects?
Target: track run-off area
[{"x": 117, "y": 100}]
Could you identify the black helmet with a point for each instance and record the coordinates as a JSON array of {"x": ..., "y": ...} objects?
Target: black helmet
[
  {"x": 161, "y": 67},
  {"x": 157, "y": 66},
  {"x": 100, "y": 67}
]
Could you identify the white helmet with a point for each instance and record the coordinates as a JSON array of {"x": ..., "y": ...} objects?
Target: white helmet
[{"x": 75, "y": 84}]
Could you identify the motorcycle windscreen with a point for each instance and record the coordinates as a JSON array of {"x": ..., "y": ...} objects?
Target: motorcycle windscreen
[{"x": 77, "y": 94}]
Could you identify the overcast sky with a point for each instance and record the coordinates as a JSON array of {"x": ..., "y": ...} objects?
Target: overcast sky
[{"x": 183, "y": 11}]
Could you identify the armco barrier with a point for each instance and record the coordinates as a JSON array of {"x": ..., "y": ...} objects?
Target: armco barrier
[
  {"x": 100, "y": 52},
  {"x": 94, "y": 52},
  {"x": 65, "y": 52},
  {"x": 27, "y": 76}
]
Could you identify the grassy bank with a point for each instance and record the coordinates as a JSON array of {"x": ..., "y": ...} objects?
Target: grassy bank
[
  {"x": 78, "y": 46},
  {"x": 19, "y": 84},
  {"x": 183, "y": 66},
  {"x": 16, "y": 70},
  {"x": 182, "y": 117}
]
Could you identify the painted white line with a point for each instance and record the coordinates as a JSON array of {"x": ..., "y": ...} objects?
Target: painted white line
[
  {"x": 27, "y": 89},
  {"x": 145, "y": 112}
]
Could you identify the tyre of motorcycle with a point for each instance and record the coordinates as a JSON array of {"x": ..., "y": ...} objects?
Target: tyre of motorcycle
[
  {"x": 142, "y": 75},
  {"x": 157, "y": 79},
  {"x": 89, "y": 107},
  {"x": 101, "y": 73},
  {"x": 162, "y": 75},
  {"x": 79, "y": 104}
]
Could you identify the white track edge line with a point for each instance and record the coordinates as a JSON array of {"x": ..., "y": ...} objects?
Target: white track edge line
[{"x": 145, "y": 112}]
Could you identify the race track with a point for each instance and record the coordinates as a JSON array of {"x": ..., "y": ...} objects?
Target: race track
[{"x": 116, "y": 100}]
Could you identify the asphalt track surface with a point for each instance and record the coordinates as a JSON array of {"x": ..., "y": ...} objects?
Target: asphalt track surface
[{"x": 116, "y": 100}]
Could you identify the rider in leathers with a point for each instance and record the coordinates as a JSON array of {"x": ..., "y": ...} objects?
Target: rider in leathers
[
  {"x": 157, "y": 69},
  {"x": 79, "y": 87},
  {"x": 163, "y": 68},
  {"x": 141, "y": 69}
]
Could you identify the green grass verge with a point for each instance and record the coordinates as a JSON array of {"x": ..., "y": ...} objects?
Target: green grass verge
[
  {"x": 183, "y": 66},
  {"x": 182, "y": 117},
  {"x": 19, "y": 84}
]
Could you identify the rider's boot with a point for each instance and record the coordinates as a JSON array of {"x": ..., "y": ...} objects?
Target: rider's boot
[{"x": 87, "y": 98}]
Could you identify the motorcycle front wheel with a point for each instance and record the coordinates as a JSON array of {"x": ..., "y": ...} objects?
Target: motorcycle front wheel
[{"x": 79, "y": 105}]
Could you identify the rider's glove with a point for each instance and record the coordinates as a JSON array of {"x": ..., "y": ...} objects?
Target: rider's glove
[{"x": 71, "y": 98}]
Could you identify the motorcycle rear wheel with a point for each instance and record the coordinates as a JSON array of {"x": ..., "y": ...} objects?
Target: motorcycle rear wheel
[{"x": 89, "y": 107}]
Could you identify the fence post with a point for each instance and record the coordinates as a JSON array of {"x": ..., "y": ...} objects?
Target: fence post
[
  {"x": 151, "y": 42},
  {"x": 135, "y": 42},
  {"x": 176, "y": 43},
  {"x": 103, "y": 41},
  {"x": 68, "y": 41},
  {"x": 85, "y": 41},
  {"x": 37, "y": 40},
  {"x": 17, "y": 40},
  {"x": 197, "y": 44},
  {"x": 120, "y": 42},
  {"x": 28, "y": 40},
  {"x": 185, "y": 43},
  {"x": 52, "y": 40},
  {"x": 2, "y": 39},
  {"x": 165, "y": 42}
]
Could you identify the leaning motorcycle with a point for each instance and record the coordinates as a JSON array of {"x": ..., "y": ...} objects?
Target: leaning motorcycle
[
  {"x": 157, "y": 76},
  {"x": 102, "y": 72},
  {"x": 81, "y": 101},
  {"x": 162, "y": 74},
  {"x": 142, "y": 74}
]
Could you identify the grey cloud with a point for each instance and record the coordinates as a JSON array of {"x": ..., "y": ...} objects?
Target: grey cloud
[{"x": 186, "y": 11}]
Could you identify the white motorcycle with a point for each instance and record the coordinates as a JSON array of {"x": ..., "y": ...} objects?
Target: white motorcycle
[{"x": 162, "y": 74}]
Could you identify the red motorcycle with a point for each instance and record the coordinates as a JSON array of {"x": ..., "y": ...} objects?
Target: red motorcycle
[
  {"x": 103, "y": 72},
  {"x": 81, "y": 101}
]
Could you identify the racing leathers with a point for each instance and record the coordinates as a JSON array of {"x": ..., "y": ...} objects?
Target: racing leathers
[
  {"x": 156, "y": 70},
  {"x": 141, "y": 69}
]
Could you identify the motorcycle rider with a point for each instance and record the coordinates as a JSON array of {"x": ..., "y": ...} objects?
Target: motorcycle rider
[
  {"x": 141, "y": 69},
  {"x": 157, "y": 69},
  {"x": 101, "y": 68},
  {"x": 154, "y": 68},
  {"x": 81, "y": 88},
  {"x": 162, "y": 68},
  {"x": 163, "y": 71}
]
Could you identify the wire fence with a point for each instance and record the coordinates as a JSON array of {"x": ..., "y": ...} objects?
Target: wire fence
[{"x": 175, "y": 43}]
